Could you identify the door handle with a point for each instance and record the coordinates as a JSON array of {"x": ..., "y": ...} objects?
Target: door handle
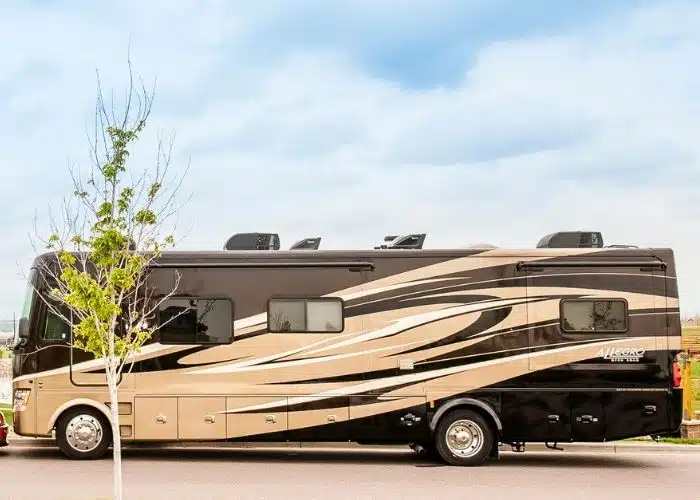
[
  {"x": 410, "y": 419},
  {"x": 39, "y": 383},
  {"x": 650, "y": 409},
  {"x": 586, "y": 419},
  {"x": 161, "y": 419},
  {"x": 209, "y": 419},
  {"x": 553, "y": 419},
  {"x": 270, "y": 419}
]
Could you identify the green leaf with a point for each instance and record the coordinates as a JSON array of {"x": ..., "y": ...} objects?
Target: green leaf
[{"x": 93, "y": 294}]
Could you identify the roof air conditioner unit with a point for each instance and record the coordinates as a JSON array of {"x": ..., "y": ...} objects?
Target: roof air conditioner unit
[{"x": 253, "y": 241}]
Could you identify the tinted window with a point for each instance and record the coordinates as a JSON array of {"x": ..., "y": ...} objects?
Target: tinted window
[
  {"x": 55, "y": 328},
  {"x": 195, "y": 321},
  {"x": 23, "y": 326},
  {"x": 594, "y": 315},
  {"x": 305, "y": 315}
]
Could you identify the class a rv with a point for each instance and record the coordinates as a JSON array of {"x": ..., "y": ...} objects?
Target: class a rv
[{"x": 453, "y": 352}]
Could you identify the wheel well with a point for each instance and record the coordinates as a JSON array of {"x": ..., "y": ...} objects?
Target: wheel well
[
  {"x": 483, "y": 409},
  {"x": 101, "y": 410},
  {"x": 487, "y": 416}
]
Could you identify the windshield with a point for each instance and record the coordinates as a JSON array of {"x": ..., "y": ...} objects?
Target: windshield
[{"x": 22, "y": 330}]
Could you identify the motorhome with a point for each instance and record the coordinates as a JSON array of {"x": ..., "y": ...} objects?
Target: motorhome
[{"x": 451, "y": 351}]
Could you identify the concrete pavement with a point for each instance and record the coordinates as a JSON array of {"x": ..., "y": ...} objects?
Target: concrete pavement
[{"x": 42, "y": 473}]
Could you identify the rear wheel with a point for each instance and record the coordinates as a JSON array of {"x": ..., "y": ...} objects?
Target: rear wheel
[
  {"x": 463, "y": 437},
  {"x": 83, "y": 434}
]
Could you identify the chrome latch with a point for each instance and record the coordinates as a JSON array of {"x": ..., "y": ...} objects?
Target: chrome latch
[
  {"x": 410, "y": 419},
  {"x": 587, "y": 419}
]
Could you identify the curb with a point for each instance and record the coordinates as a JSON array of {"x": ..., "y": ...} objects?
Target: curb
[{"x": 612, "y": 448}]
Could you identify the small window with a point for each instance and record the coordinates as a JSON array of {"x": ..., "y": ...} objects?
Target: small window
[
  {"x": 195, "y": 321},
  {"x": 594, "y": 315},
  {"x": 305, "y": 315},
  {"x": 55, "y": 328}
]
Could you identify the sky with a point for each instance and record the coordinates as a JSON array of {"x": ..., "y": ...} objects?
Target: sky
[{"x": 475, "y": 121}]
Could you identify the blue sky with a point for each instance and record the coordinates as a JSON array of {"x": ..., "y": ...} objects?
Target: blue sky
[{"x": 474, "y": 121}]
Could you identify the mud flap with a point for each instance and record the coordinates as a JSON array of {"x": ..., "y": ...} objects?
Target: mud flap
[{"x": 495, "y": 450}]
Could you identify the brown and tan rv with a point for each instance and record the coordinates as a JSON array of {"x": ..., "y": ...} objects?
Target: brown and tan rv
[{"x": 450, "y": 351}]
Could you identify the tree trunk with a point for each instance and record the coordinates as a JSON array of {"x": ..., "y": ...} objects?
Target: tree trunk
[{"x": 116, "y": 437}]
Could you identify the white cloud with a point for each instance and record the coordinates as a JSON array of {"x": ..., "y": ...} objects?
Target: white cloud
[{"x": 592, "y": 129}]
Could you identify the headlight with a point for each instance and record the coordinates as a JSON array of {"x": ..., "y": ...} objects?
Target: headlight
[{"x": 20, "y": 400}]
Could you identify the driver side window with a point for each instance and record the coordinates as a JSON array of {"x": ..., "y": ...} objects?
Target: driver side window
[{"x": 55, "y": 329}]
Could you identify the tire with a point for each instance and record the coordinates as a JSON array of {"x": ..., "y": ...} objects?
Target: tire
[
  {"x": 464, "y": 438},
  {"x": 83, "y": 434}
]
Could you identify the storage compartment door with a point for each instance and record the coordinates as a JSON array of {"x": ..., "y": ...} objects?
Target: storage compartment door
[
  {"x": 324, "y": 420},
  {"x": 256, "y": 417},
  {"x": 155, "y": 418},
  {"x": 201, "y": 418},
  {"x": 537, "y": 416},
  {"x": 587, "y": 416}
]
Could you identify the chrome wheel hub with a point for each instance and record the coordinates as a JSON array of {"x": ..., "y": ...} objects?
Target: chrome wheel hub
[
  {"x": 84, "y": 433},
  {"x": 464, "y": 438}
]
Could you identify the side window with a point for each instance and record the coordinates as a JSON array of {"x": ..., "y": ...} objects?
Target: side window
[
  {"x": 195, "y": 321},
  {"x": 587, "y": 315},
  {"x": 305, "y": 315},
  {"x": 55, "y": 329}
]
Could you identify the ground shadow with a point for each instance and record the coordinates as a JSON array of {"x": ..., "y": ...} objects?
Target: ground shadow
[
  {"x": 572, "y": 460},
  {"x": 372, "y": 456}
]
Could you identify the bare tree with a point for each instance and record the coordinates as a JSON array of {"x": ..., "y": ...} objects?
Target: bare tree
[{"x": 110, "y": 235}]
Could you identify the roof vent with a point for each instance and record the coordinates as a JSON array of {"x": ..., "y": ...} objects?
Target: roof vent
[
  {"x": 572, "y": 239},
  {"x": 253, "y": 241},
  {"x": 307, "y": 244},
  {"x": 408, "y": 241}
]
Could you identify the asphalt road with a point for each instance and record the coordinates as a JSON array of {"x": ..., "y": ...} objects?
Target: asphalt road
[{"x": 36, "y": 473}]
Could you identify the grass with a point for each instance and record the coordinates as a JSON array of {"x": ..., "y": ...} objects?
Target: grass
[
  {"x": 694, "y": 331},
  {"x": 695, "y": 369},
  {"x": 673, "y": 440},
  {"x": 7, "y": 411},
  {"x": 668, "y": 440}
]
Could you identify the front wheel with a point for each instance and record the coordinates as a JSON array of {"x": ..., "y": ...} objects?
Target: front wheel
[
  {"x": 463, "y": 437},
  {"x": 83, "y": 434}
]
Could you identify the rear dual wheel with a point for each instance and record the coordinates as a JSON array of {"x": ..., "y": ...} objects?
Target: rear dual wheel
[{"x": 464, "y": 437}]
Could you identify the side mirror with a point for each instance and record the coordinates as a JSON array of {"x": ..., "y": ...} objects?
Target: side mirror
[
  {"x": 23, "y": 328},
  {"x": 15, "y": 344}
]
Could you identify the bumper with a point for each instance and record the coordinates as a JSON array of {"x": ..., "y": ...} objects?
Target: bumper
[{"x": 4, "y": 431}]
